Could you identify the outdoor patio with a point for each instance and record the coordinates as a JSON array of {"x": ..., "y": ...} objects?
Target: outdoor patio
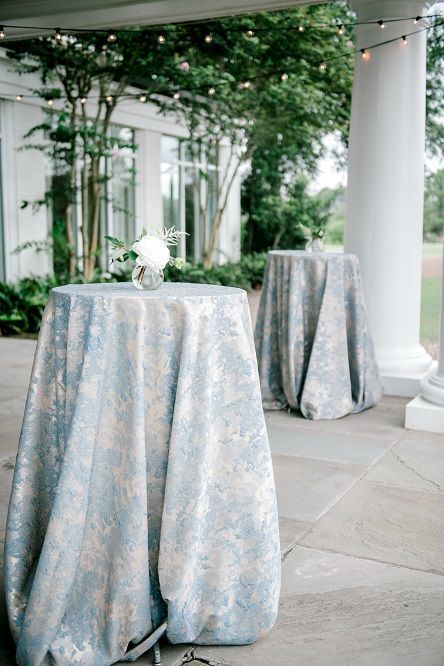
[{"x": 361, "y": 506}]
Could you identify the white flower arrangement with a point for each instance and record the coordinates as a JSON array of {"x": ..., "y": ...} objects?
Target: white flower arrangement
[{"x": 150, "y": 250}]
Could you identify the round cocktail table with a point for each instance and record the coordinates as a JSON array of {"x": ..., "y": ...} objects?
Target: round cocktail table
[
  {"x": 143, "y": 490},
  {"x": 313, "y": 343}
]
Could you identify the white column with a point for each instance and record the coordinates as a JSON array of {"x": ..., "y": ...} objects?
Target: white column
[
  {"x": 386, "y": 185},
  {"x": 426, "y": 411}
]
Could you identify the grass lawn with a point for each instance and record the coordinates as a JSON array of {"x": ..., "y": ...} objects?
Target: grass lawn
[
  {"x": 431, "y": 249},
  {"x": 430, "y": 298}
]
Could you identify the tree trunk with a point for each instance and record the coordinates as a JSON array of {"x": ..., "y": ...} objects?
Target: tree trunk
[
  {"x": 209, "y": 251},
  {"x": 85, "y": 215},
  {"x": 95, "y": 216}
]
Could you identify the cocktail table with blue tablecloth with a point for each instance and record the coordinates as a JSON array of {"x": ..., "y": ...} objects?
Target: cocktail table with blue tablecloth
[
  {"x": 143, "y": 490},
  {"x": 313, "y": 342}
]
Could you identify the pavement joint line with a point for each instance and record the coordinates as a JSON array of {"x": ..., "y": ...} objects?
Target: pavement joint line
[
  {"x": 412, "y": 469},
  {"x": 360, "y": 478},
  {"x": 371, "y": 559}
]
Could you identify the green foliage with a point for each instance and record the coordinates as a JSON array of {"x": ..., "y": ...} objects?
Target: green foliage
[
  {"x": 435, "y": 89},
  {"x": 280, "y": 222},
  {"x": 22, "y": 303},
  {"x": 246, "y": 274},
  {"x": 434, "y": 206}
]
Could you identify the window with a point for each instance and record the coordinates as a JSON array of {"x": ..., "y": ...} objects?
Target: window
[
  {"x": 117, "y": 212},
  {"x": 189, "y": 179},
  {"x": 2, "y": 236},
  {"x": 120, "y": 187}
]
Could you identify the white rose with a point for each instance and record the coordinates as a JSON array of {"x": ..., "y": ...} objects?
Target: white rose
[{"x": 152, "y": 252}]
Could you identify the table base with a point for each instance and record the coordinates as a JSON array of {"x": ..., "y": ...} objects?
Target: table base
[{"x": 151, "y": 642}]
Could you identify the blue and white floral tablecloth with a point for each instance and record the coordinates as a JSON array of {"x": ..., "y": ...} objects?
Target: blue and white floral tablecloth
[
  {"x": 312, "y": 336},
  {"x": 143, "y": 487}
]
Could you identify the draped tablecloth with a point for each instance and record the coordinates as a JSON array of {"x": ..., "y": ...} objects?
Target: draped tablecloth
[
  {"x": 313, "y": 343},
  {"x": 143, "y": 488}
]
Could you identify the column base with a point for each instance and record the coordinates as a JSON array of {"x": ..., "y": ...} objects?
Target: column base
[
  {"x": 420, "y": 414},
  {"x": 403, "y": 370},
  {"x": 432, "y": 389}
]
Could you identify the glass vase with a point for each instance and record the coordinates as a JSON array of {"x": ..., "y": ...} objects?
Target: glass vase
[
  {"x": 147, "y": 278},
  {"x": 314, "y": 245}
]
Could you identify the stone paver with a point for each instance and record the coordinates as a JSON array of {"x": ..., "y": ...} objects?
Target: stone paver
[
  {"x": 361, "y": 510},
  {"x": 416, "y": 462},
  {"x": 385, "y": 523}
]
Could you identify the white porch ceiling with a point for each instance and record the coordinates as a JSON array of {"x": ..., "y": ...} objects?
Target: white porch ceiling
[{"x": 123, "y": 13}]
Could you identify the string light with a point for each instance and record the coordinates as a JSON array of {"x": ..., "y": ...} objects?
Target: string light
[
  {"x": 301, "y": 28},
  {"x": 112, "y": 37},
  {"x": 58, "y": 35},
  {"x": 341, "y": 30},
  {"x": 381, "y": 24},
  {"x": 250, "y": 33},
  {"x": 365, "y": 54},
  {"x": 161, "y": 39},
  {"x": 142, "y": 98},
  {"x": 208, "y": 39},
  {"x": 2, "y": 32},
  {"x": 417, "y": 19}
]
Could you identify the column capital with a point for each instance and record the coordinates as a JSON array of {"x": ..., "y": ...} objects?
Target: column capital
[{"x": 368, "y": 10}]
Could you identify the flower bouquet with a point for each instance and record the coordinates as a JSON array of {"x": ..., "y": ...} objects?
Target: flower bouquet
[
  {"x": 151, "y": 254},
  {"x": 314, "y": 237}
]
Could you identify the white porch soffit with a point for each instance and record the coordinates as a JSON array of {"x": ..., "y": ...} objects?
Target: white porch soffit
[{"x": 123, "y": 13}]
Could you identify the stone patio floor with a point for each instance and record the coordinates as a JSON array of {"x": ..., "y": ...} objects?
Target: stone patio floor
[{"x": 361, "y": 509}]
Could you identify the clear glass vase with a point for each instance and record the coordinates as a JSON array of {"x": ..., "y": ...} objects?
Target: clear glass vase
[
  {"x": 314, "y": 245},
  {"x": 147, "y": 278}
]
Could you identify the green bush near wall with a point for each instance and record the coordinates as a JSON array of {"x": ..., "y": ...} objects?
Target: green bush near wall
[{"x": 22, "y": 303}]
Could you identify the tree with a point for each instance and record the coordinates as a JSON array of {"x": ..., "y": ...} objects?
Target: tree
[
  {"x": 257, "y": 82},
  {"x": 435, "y": 89},
  {"x": 434, "y": 206},
  {"x": 245, "y": 73},
  {"x": 84, "y": 78}
]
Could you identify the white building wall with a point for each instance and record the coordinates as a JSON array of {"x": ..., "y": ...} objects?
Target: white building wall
[{"x": 24, "y": 177}]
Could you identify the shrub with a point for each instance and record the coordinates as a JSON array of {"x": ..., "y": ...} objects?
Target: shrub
[{"x": 22, "y": 303}]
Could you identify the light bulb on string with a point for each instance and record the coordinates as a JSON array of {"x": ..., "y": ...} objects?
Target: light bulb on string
[
  {"x": 404, "y": 40},
  {"x": 211, "y": 91},
  {"x": 142, "y": 98},
  {"x": 112, "y": 37},
  {"x": 83, "y": 100},
  {"x": 176, "y": 95},
  {"x": 365, "y": 55},
  {"x": 2, "y": 32},
  {"x": 323, "y": 66},
  {"x": 109, "y": 99},
  {"x": 247, "y": 84},
  {"x": 417, "y": 19},
  {"x": 58, "y": 35},
  {"x": 301, "y": 28},
  {"x": 50, "y": 102},
  {"x": 341, "y": 30},
  {"x": 18, "y": 98},
  {"x": 381, "y": 24},
  {"x": 284, "y": 77},
  {"x": 208, "y": 39},
  {"x": 250, "y": 33},
  {"x": 161, "y": 39}
]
